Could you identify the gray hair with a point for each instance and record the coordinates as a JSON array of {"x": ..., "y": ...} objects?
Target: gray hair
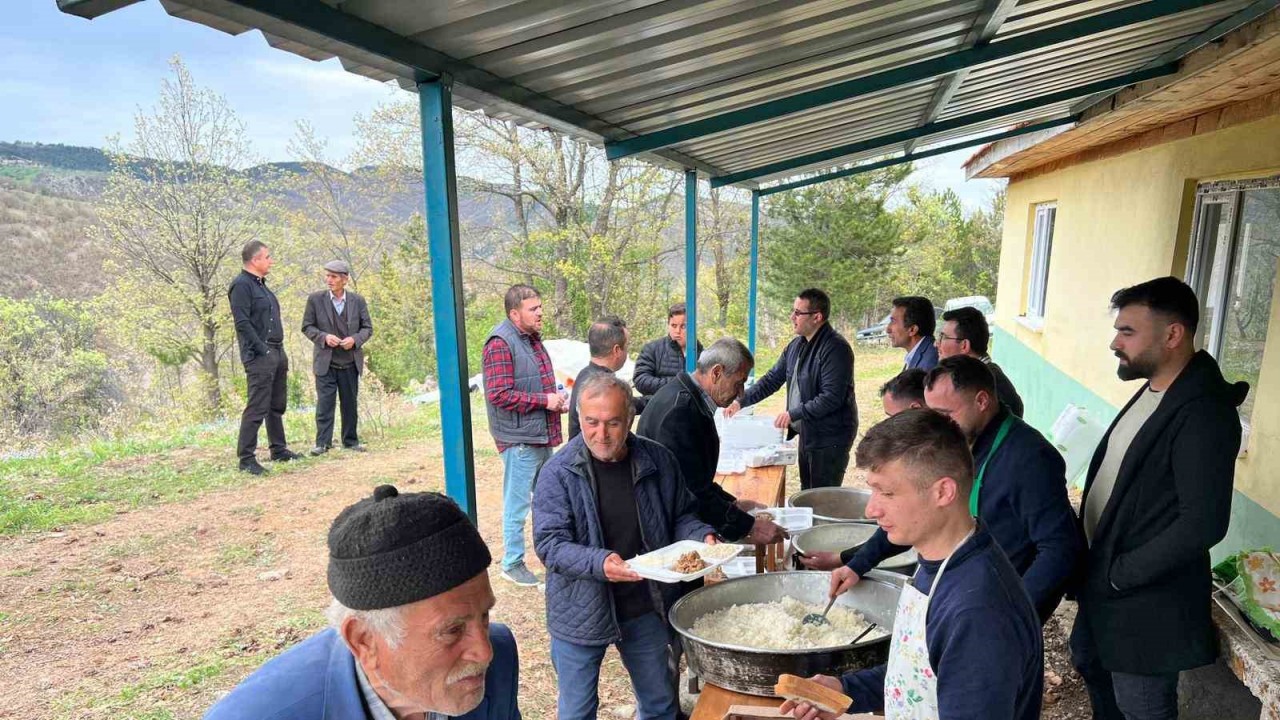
[
  {"x": 387, "y": 623},
  {"x": 600, "y": 383},
  {"x": 727, "y": 352}
]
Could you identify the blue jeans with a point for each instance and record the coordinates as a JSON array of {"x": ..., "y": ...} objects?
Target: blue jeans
[
  {"x": 520, "y": 465},
  {"x": 644, "y": 647},
  {"x": 1117, "y": 695}
]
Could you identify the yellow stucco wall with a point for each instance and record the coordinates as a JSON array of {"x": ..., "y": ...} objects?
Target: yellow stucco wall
[{"x": 1121, "y": 221}]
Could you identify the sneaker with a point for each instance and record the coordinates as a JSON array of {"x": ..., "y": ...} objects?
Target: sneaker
[
  {"x": 319, "y": 450},
  {"x": 520, "y": 575},
  {"x": 253, "y": 468},
  {"x": 355, "y": 448},
  {"x": 286, "y": 456}
]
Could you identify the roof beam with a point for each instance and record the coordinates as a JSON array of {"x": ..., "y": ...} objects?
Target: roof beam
[
  {"x": 895, "y": 77},
  {"x": 934, "y": 128},
  {"x": 985, "y": 27},
  {"x": 430, "y": 64},
  {"x": 1222, "y": 27},
  {"x": 941, "y": 150}
]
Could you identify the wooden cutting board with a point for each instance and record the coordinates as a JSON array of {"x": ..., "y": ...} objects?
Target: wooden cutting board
[{"x": 752, "y": 712}]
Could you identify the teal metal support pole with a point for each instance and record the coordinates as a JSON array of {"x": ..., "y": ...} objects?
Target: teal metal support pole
[
  {"x": 691, "y": 268},
  {"x": 436, "y": 106},
  {"x": 755, "y": 273}
]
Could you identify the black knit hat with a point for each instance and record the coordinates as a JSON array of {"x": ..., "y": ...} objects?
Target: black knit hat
[{"x": 392, "y": 549}]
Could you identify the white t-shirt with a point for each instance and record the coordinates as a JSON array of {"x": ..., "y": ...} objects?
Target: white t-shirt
[{"x": 1117, "y": 446}]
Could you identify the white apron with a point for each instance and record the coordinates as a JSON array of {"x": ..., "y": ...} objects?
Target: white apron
[{"x": 910, "y": 684}]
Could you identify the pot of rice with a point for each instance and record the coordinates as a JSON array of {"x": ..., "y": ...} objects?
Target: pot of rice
[
  {"x": 742, "y": 634},
  {"x": 834, "y": 504},
  {"x": 839, "y": 537}
]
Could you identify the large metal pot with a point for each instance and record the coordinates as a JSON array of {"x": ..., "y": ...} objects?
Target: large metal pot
[
  {"x": 839, "y": 537},
  {"x": 836, "y": 537},
  {"x": 755, "y": 671},
  {"x": 834, "y": 504}
]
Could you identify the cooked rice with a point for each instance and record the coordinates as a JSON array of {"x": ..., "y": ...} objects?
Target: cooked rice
[{"x": 778, "y": 626}]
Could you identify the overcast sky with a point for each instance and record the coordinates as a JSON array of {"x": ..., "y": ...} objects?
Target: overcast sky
[{"x": 72, "y": 81}]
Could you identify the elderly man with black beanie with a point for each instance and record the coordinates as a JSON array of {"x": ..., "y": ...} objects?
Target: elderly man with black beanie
[{"x": 410, "y": 635}]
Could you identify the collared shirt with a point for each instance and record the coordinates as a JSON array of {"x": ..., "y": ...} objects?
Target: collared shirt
[
  {"x": 499, "y": 376},
  {"x": 339, "y": 303},
  {"x": 915, "y": 350},
  {"x": 378, "y": 710}
]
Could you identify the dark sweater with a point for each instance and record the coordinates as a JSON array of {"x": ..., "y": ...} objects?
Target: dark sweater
[
  {"x": 1005, "y": 391},
  {"x": 1024, "y": 503},
  {"x": 984, "y": 640}
]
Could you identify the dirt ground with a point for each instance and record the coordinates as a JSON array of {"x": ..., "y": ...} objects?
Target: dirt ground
[{"x": 157, "y": 612}]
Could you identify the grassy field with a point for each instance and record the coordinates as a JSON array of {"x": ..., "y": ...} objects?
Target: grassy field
[{"x": 143, "y": 579}]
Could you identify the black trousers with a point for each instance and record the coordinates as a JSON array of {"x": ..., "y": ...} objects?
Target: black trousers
[
  {"x": 1121, "y": 696},
  {"x": 823, "y": 467},
  {"x": 343, "y": 385},
  {"x": 268, "y": 397}
]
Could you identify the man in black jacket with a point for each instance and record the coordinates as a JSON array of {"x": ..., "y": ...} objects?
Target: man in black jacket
[
  {"x": 337, "y": 322},
  {"x": 965, "y": 332},
  {"x": 817, "y": 368},
  {"x": 681, "y": 417},
  {"x": 256, "y": 313},
  {"x": 661, "y": 360},
  {"x": 607, "y": 340},
  {"x": 1157, "y": 497}
]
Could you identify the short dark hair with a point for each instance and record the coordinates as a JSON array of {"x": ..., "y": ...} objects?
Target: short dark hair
[
  {"x": 677, "y": 309},
  {"x": 251, "y": 250},
  {"x": 907, "y": 385},
  {"x": 966, "y": 373},
  {"x": 971, "y": 325},
  {"x": 918, "y": 311},
  {"x": 606, "y": 332},
  {"x": 1167, "y": 296},
  {"x": 818, "y": 301},
  {"x": 516, "y": 295},
  {"x": 929, "y": 443}
]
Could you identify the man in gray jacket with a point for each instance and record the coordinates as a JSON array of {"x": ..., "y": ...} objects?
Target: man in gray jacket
[
  {"x": 337, "y": 322},
  {"x": 817, "y": 368}
]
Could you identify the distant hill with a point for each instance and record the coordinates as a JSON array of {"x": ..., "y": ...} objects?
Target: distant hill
[{"x": 48, "y": 194}]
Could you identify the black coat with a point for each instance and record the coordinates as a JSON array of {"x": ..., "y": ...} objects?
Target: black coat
[
  {"x": 822, "y": 371},
  {"x": 1006, "y": 393},
  {"x": 659, "y": 362},
  {"x": 256, "y": 314},
  {"x": 1145, "y": 583},
  {"x": 678, "y": 419}
]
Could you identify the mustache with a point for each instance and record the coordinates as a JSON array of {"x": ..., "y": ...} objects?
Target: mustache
[
  {"x": 1122, "y": 356},
  {"x": 466, "y": 672}
]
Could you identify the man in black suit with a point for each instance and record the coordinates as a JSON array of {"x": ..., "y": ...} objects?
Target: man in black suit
[
  {"x": 1158, "y": 496},
  {"x": 337, "y": 321},
  {"x": 256, "y": 314},
  {"x": 681, "y": 417}
]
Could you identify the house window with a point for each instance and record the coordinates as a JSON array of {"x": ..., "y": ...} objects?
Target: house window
[
  {"x": 1041, "y": 248},
  {"x": 1232, "y": 266}
]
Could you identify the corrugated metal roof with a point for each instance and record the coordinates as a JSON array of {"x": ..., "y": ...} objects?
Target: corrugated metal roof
[{"x": 607, "y": 70}]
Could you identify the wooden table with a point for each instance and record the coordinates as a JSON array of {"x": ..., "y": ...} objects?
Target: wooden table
[
  {"x": 767, "y": 486},
  {"x": 716, "y": 701}
]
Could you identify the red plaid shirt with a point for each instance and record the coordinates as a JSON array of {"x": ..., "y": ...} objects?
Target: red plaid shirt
[{"x": 500, "y": 384}]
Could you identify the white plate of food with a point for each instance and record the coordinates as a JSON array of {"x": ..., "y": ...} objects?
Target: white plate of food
[{"x": 683, "y": 561}]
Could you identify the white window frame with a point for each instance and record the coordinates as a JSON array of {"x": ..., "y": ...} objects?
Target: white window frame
[
  {"x": 1041, "y": 251},
  {"x": 1230, "y": 196}
]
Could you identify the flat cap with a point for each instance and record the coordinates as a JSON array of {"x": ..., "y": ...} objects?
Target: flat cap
[{"x": 338, "y": 266}]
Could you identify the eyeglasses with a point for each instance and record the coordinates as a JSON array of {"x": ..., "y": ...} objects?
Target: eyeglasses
[
  {"x": 797, "y": 313},
  {"x": 944, "y": 336}
]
